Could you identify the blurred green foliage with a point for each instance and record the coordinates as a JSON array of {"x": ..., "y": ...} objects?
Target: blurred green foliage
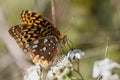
[
  {"x": 93, "y": 23},
  {"x": 3, "y": 48}
]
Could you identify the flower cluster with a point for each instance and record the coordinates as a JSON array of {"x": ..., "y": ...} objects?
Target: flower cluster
[
  {"x": 75, "y": 54},
  {"x": 33, "y": 73},
  {"x": 104, "y": 68},
  {"x": 61, "y": 71}
]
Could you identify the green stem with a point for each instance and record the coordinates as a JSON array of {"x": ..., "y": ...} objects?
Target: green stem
[
  {"x": 107, "y": 45},
  {"x": 78, "y": 69}
]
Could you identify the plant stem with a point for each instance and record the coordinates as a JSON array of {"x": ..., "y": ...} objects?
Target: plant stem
[
  {"x": 78, "y": 69},
  {"x": 79, "y": 74},
  {"x": 107, "y": 45},
  {"x": 53, "y": 12},
  {"x": 37, "y": 5}
]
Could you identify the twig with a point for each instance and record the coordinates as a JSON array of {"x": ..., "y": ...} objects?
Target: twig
[{"x": 53, "y": 12}]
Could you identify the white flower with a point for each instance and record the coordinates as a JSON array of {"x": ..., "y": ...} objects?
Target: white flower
[
  {"x": 60, "y": 70},
  {"x": 104, "y": 68},
  {"x": 76, "y": 53},
  {"x": 33, "y": 73}
]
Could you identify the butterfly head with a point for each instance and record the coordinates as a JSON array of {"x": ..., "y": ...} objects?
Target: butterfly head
[{"x": 63, "y": 38}]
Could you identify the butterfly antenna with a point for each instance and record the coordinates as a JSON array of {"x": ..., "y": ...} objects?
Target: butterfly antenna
[
  {"x": 65, "y": 31},
  {"x": 68, "y": 26}
]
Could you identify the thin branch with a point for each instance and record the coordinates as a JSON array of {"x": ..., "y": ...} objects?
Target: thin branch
[{"x": 53, "y": 12}]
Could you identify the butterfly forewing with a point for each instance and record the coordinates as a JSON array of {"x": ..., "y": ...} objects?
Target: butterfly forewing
[
  {"x": 33, "y": 18},
  {"x": 24, "y": 34},
  {"x": 16, "y": 33}
]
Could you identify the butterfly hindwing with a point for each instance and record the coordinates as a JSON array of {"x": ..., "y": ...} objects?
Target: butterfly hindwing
[{"x": 44, "y": 49}]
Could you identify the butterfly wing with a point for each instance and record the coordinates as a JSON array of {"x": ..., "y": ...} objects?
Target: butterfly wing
[
  {"x": 41, "y": 49},
  {"x": 44, "y": 50},
  {"x": 17, "y": 34},
  {"x": 24, "y": 33},
  {"x": 37, "y": 37},
  {"x": 33, "y": 18}
]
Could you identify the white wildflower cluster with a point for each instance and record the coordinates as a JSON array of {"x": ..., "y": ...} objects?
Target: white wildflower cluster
[
  {"x": 75, "y": 54},
  {"x": 61, "y": 71},
  {"x": 104, "y": 68},
  {"x": 33, "y": 73}
]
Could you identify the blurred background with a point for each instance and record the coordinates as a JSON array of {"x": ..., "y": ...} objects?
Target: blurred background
[{"x": 94, "y": 21}]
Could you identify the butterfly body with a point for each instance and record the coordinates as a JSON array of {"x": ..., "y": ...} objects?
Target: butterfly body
[{"x": 38, "y": 37}]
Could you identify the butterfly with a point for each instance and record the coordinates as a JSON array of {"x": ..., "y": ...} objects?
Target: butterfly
[{"x": 38, "y": 37}]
